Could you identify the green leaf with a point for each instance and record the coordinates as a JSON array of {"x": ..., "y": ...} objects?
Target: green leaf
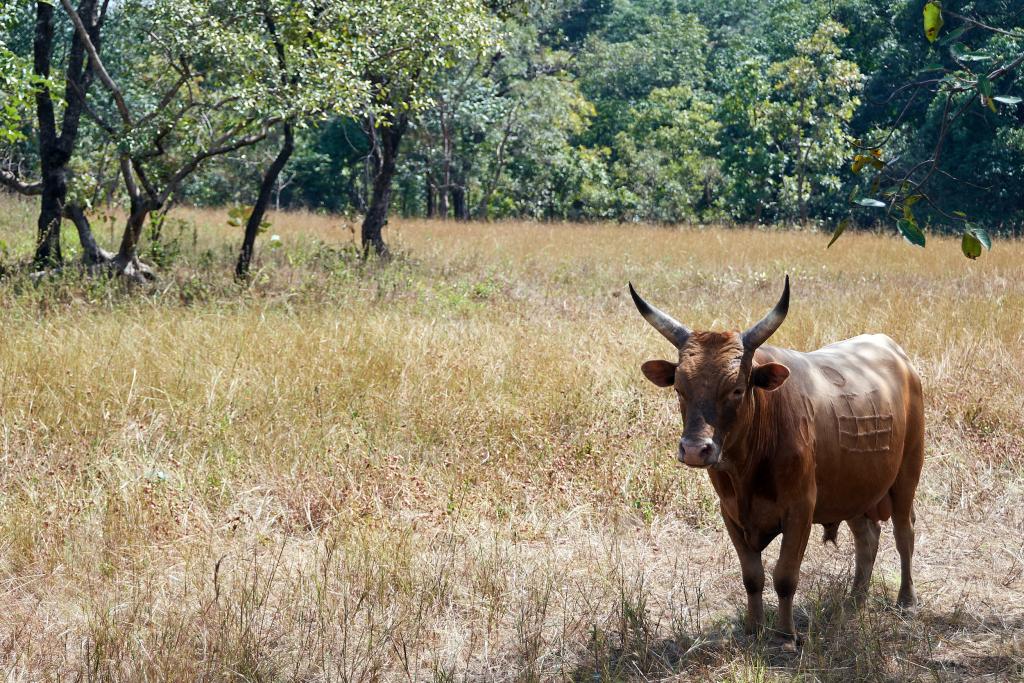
[
  {"x": 932, "y": 20},
  {"x": 979, "y": 234},
  {"x": 984, "y": 86},
  {"x": 964, "y": 54},
  {"x": 1007, "y": 99},
  {"x": 868, "y": 201},
  {"x": 970, "y": 245},
  {"x": 911, "y": 232},
  {"x": 840, "y": 229},
  {"x": 953, "y": 35}
]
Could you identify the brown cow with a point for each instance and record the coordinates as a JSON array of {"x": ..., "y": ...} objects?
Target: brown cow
[{"x": 791, "y": 439}]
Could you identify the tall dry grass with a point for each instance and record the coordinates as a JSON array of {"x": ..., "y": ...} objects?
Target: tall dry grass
[{"x": 450, "y": 468}]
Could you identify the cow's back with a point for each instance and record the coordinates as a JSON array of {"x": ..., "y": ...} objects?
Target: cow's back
[{"x": 853, "y": 405}]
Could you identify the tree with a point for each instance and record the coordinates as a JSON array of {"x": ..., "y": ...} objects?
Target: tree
[
  {"x": 56, "y": 144},
  {"x": 641, "y": 48},
  {"x": 16, "y": 85},
  {"x": 666, "y": 163},
  {"x": 207, "y": 80},
  {"x": 814, "y": 100},
  {"x": 306, "y": 45},
  {"x": 498, "y": 132},
  {"x": 413, "y": 40},
  {"x": 787, "y": 127}
]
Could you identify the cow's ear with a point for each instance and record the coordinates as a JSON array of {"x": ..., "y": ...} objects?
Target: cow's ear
[
  {"x": 769, "y": 376},
  {"x": 661, "y": 372}
]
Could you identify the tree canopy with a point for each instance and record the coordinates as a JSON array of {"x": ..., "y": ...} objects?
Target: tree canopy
[{"x": 903, "y": 114}]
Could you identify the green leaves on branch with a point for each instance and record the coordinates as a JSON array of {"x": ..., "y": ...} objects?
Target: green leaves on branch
[
  {"x": 907, "y": 225},
  {"x": 962, "y": 53},
  {"x": 953, "y": 35}
]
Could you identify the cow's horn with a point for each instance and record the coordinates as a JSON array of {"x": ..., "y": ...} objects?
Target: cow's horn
[
  {"x": 672, "y": 329},
  {"x": 759, "y": 333}
]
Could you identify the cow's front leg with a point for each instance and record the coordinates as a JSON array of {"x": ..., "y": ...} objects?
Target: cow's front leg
[
  {"x": 796, "y": 528},
  {"x": 753, "y": 576}
]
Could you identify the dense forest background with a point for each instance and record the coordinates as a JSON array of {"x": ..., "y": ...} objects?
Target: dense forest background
[{"x": 668, "y": 111}]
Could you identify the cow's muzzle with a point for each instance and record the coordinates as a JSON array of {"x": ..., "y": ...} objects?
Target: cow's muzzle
[{"x": 699, "y": 452}]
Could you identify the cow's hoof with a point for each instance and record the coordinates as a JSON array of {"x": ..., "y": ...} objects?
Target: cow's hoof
[
  {"x": 791, "y": 645},
  {"x": 907, "y": 600}
]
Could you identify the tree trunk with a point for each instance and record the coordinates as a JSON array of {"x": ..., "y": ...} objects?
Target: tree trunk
[
  {"x": 51, "y": 161},
  {"x": 385, "y": 157},
  {"x": 459, "y": 203},
  {"x": 442, "y": 202},
  {"x": 484, "y": 209},
  {"x": 446, "y": 167},
  {"x": 51, "y": 211},
  {"x": 92, "y": 253},
  {"x": 431, "y": 197},
  {"x": 259, "y": 209},
  {"x": 55, "y": 150},
  {"x": 127, "y": 261},
  {"x": 801, "y": 180}
]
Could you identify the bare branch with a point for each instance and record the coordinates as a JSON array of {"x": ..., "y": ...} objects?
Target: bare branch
[
  {"x": 916, "y": 84},
  {"x": 165, "y": 101},
  {"x": 97, "y": 63},
  {"x": 974, "y": 22},
  {"x": 220, "y": 146},
  {"x": 12, "y": 181},
  {"x": 1006, "y": 68}
]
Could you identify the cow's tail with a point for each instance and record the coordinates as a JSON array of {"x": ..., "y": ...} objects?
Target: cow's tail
[{"x": 831, "y": 533}]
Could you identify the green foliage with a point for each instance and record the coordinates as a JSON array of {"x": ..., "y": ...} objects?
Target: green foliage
[
  {"x": 632, "y": 110},
  {"x": 786, "y": 128},
  {"x": 665, "y": 160},
  {"x": 411, "y": 41},
  {"x": 17, "y": 82}
]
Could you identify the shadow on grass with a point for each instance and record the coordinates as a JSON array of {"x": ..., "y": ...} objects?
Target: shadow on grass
[{"x": 879, "y": 642}]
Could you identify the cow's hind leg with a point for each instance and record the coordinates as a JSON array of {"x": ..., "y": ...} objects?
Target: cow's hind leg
[
  {"x": 865, "y": 540},
  {"x": 903, "y": 518},
  {"x": 903, "y": 530},
  {"x": 753, "y": 576}
]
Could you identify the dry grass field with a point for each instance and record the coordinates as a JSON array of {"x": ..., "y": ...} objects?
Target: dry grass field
[{"x": 450, "y": 467}]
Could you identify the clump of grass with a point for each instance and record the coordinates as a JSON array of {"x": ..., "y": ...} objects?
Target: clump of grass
[{"x": 449, "y": 468}]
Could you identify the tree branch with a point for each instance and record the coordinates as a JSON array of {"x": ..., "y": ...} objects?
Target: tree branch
[
  {"x": 12, "y": 181},
  {"x": 97, "y": 63},
  {"x": 981, "y": 25},
  {"x": 221, "y": 146}
]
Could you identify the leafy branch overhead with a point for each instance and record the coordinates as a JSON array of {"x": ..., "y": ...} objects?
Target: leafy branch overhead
[{"x": 970, "y": 76}]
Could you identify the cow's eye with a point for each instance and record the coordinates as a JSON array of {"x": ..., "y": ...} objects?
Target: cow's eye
[{"x": 737, "y": 393}]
